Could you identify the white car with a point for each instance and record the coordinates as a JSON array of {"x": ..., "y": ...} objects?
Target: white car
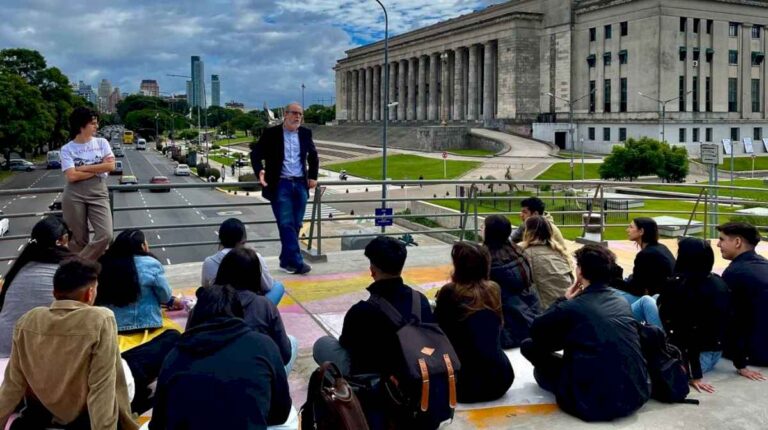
[
  {"x": 4, "y": 226},
  {"x": 181, "y": 170}
]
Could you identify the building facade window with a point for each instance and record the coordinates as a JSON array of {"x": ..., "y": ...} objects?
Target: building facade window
[
  {"x": 709, "y": 54},
  {"x": 733, "y": 29},
  {"x": 733, "y": 57},
  {"x": 757, "y": 58},
  {"x": 624, "y": 95},
  {"x": 607, "y": 58},
  {"x": 683, "y": 53},
  {"x": 591, "y": 133},
  {"x": 709, "y": 26},
  {"x": 756, "y": 30},
  {"x": 695, "y": 94},
  {"x": 757, "y": 134},
  {"x": 622, "y": 134},
  {"x": 708, "y": 134},
  {"x": 608, "y": 31},
  {"x": 696, "y": 55},
  {"x": 733, "y": 92},
  {"x": 623, "y": 57},
  {"x": 607, "y": 95},
  {"x": 734, "y": 134},
  {"x": 592, "y": 34},
  {"x": 681, "y": 137},
  {"x": 606, "y": 134},
  {"x": 624, "y": 28},
  {"x": 681, "y": 94},
  {"x": 683, "y": 24},
  {"x": 696, "y": 25},
  {"x": 755, "y": 95},
  {"x": 592, "y": 97},
  {"x": 708, "y": 94},
  {"x": 694, "y": 135}
]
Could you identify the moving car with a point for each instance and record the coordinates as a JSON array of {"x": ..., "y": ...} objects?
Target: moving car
[
  {"x": 141, "y": 145},
  {"x": 181, "y": 170},
  {"x": 118, "y": 168},
  {"x": 119, "y": 152},
  {"x": 22, "y": 165},
  {"x": 54, "y": 160},
  {"x": 129, "y": 180},
  {"x": 160, "y": 180},
  {"x": 4, "y": 225}
]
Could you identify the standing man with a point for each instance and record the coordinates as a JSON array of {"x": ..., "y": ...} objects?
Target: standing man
[{"x": 286, "y": 179}]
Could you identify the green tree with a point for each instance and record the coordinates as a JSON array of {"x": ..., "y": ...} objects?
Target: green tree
[
  {"x": 143, "y": 121},
  {"x": 25, "y": 121},
  {"x": 615, "y": 165},
  {"x": 25, "y": 63},
  {"x": 243, "y": 122},
  {"x": 675, "y": 166},
  {"x": 55, "y": 90},
  {"x": 645, "y": 156},
  {"x": 319, "y": 114},
  {"x": 258, "y": 127},
  {"x": 136, "y": 102},
  {"x": 226, "y": 128},
  {"x": 218, "y": 115}
]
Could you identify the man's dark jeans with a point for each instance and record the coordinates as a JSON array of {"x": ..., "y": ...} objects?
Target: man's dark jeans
[{"x": 289, "y": 205}]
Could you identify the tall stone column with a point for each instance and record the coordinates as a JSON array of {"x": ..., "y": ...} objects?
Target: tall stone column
[
  {"x": 434, "y": 60},
  {"x": 368, "y": 93},
  {"x": 382, "y": 93},
  {"x": 421, "y": 100},
  {"x": 458, "y": 85},
  {"x": 361, "y": 95},
  {"x": 472, "y": 82},
  {"x": 392, "y": 89},
  {"x": 445, "y": 87},
  {"x": 489, "y": 89},
  {"x": 353, "y": 96},
  {"x": 401, "y": 90},
  {"x": 376, "y": 94},
  {"x": 411, "y": 108}
]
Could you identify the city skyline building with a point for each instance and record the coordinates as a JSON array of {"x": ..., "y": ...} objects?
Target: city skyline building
[
  {"x": 105, "y": 89},
  {"x": 86, "y": 91},
  {"x": 198, "y": 82},
  {"x": 215, "y": 91},
  {"x": 113, "y": 99},
  {"x": 149, "y": 87}
]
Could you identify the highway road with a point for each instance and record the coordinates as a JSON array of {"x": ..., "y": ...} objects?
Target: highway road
[{"x": 144, "y": 165}]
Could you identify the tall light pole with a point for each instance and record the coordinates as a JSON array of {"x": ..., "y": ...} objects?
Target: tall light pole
[
  {"x": 663, "y": 104},
  {"x": 386, "y": 111},
  {"x": 199, "y": 140},
  {"x": 302, "y": 96},
  {"x": 570, "y": 125}
]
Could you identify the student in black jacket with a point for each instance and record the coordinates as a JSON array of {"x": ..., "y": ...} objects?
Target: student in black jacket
[
  {"x": 222, "y": 374},
  {"x": 695, "y": 309},
  {"x": 601, "y": 375},
  {"x": 469, "y": 312},
  {"x": 747, "y": 277},
  {"x": 653, "y": 264},
  {"x": 511, "y": 270}
]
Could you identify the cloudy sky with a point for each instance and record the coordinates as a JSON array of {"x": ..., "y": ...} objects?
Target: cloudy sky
[{"x": 263, "y": 50}]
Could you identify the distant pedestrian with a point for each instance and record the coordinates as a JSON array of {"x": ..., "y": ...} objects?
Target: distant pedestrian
[
  {"x": 86, "y": 161},
  {"x": 289, "y": 171}
]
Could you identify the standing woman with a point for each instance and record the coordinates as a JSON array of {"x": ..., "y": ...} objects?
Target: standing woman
[
  {"x": 469, "y": 312},
  {"x": 86, "y": 161},
  {"x": 654, "y": 264},
  {"x": 551, "y": 266}
]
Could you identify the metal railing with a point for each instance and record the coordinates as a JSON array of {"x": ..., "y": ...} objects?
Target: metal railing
[{"x": 473, "y": 202}]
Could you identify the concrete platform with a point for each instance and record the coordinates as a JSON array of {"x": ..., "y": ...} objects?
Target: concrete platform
[{"x": 315, "y": 305}]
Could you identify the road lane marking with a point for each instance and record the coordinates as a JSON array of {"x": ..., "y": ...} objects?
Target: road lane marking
[
  {"x": 168, "y": 260},
  {"x": 20, "y": 246},
  {"x": 216, "y": 232},
  {"x": 10, "y": 262},
  {"x": 202, "y": 217},
  {"x": 163, "y": 248},
  {"x": 152, "y": 221},
  {"x": 158, "y": 237}
]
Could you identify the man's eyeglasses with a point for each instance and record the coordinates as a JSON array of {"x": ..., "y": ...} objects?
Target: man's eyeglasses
[{"x": 293, "y": 112}]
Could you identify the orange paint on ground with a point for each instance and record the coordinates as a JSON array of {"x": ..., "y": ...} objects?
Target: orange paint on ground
[{"x": 496, "y": 417}]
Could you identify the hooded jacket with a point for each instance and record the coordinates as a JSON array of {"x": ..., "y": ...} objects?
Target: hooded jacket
[
  {"x": 519, "y": 302},
  {"x": 263, "y": 316},
  {"x": 221, "y": 375}
]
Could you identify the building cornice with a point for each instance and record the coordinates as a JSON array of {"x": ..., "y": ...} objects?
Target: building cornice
[{"x": 585, "y": 6}]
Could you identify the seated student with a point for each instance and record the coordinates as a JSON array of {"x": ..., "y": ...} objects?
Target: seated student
[
  {"x": 601, "y": 374},
  {"x": 512, "y": 272},
  {"x": 695, "y": 309},
  {"x": 29, "y": 282},
  {"x": 469, "y": 312},
  {"x": 134, "y": 287},
  {"x": 222, "y": 374},
  {"x": 65, "y": 365},
  {"x": 747, "y": 278},
  {"x": 232, "y": 234},
  {"x": 654, "y": 264},
  {"x": 550, "y": 265},
  {"x": 238, "y": 269},
  {"x": 534, "y": 206}
]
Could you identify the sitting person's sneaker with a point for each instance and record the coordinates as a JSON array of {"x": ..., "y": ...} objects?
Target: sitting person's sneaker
[
  {"x": 305, "y": 268},
  {"x": 288, "y": 269}
]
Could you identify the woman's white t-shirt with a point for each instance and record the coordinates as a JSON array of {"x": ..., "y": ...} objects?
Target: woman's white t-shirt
[{"x": 94, "y": 151}]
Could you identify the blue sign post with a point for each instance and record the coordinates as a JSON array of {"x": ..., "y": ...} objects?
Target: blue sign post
[{"x": 383, "y": 217}]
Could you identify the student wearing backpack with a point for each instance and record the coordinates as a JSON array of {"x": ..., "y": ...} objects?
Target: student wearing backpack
[
  {"x": 601, "y": 374},
  {"x": 695, "y": 308},
  {"x": 747, "y": 278},
  {"x": 469, "y": 312}
]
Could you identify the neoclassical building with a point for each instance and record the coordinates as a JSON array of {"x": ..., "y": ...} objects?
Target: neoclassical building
[{"x": 518, "y": 66}]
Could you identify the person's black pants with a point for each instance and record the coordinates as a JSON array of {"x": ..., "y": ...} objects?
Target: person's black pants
[
  {"x": 34, "y": 416},
  {"x": 145, "y": 362},
  {"x": 547, "y": 366}
]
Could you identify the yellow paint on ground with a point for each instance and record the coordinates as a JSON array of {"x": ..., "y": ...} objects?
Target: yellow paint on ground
[{"x": 497, "y": 417}]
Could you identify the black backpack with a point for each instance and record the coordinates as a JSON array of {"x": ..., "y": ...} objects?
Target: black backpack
[
  {"x": 668, "y": 372},
  {"x": 422, "y": 393}
]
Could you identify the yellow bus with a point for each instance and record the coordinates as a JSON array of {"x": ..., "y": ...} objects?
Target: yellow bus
[{"x": 127, "y": 137}]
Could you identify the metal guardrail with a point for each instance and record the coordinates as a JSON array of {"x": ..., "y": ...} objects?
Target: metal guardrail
[{"x": 473, "y": 204}]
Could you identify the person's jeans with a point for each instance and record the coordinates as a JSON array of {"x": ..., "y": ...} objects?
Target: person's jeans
[
  {"x": 709, "y": 359},
  {"x": 294, "y": 354},
  {"x": 644, "y": 308},
  {"x": 288, "y": 206},
  {"x": 328, "y": 348},
  {"x": 276, "y": 293}
]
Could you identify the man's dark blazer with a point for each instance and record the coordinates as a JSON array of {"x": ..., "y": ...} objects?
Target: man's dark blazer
[{"x": 271, "y": 149}]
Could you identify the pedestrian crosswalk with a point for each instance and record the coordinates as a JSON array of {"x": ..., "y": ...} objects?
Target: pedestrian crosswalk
[{"x": 325, "y": 211}]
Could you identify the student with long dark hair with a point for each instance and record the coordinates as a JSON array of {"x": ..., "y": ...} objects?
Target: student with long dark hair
[
  {"x": 469, "y": 312},
  {"x": 551, "y": 266},
  {"x": 695, "y": 308},
  {"x": 29, "y": 283},
  {"x": 238, "y": 269},
  {"x": 512, "y": 272},
  {"x": 654, "y": 264}
]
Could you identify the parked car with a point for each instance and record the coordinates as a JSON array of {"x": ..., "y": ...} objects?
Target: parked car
[
  {"x": 181, "y": 170},
  {"x": 119, "y": 153},
  {"x": 242, "y": 162},
  {"x": 5, "y": 224},
  {"x": 54, "y": 160},
  {"x": 118, "y": 168},
  {"x": 160, "y": 180},
  {"x": 20, "y": 164},
  {"x": 129, "y": 180}
]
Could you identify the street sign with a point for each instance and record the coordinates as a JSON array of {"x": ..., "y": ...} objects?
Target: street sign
[
  {"x": 727, "y": 147},
  {"x": 710, "y": 153},
  {"x": 748, "y": 145},
  {"x": 383, "y": 217},
  {"x": 765, "y": 144},
  {"x": 445, "y": 155}
]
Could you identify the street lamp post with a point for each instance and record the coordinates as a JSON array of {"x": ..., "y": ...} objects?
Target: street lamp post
[
  {"x": 663, "y": 104},
  {"x": 570, "y": 127},
  {"x": 302, "y": 96},
  {"x": 199, "y": 139},
  {"x": 386, "y": 111}
]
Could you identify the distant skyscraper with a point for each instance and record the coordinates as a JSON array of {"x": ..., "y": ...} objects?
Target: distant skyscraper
[
  {"x": 86, "y": 91},
  {"x": 189, "y": 92},
  {"x": 198, "y": 82},
  {"x": 105, "y": 89},
  {"x": 215, "y": 90},
  {"x": 112, "y": 100},
  {"x": 149, "y": 87}
]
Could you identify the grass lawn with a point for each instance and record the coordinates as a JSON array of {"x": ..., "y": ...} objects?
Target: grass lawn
[
  {"x": 235, "y": 141},
  {"x": 562, "y": 171},
  {"x": 472, "y": 152},
  {"x": 760, "y": 196},
  {"x": 405, "y": 166},
  {"x": 5, "y": 174},
  {"x": 576, "y": 155},
  {"x": 742, "y": 164}
]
